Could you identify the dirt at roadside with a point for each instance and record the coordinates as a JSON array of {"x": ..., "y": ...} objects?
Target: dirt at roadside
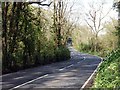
[{"x": 91, "y": 82}]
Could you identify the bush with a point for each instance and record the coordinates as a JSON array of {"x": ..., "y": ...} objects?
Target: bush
[
  {"x": 108, "y": 75},
  {"x": 48, "y": 53},
  {"x": 84, "y": 47},
  {"x": 62, "y": 53}
]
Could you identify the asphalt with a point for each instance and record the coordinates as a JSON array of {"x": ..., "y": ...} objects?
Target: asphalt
[{"x": 67, "y": 75}]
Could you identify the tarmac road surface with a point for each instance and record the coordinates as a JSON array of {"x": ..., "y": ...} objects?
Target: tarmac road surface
[{"x": 66, "y": 75}]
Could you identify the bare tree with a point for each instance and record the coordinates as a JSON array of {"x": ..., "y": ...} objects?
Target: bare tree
[
  {"x": 95, "y": 18},
  {"x": 62, "y": 24}
]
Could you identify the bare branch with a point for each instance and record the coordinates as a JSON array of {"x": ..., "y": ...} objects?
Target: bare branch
[
  {"x": 88, "y": 24},
  {"x": 40, "y": 3},
  {"x": 96, "y": 17},
  {"x": 99, "y": 24},
  {"x": 106, "y": 14}
]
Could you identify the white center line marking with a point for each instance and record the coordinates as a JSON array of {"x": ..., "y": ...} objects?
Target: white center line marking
[
  {"x": 39, "y": 78},
  {"x": 18, "y": 77},
  {"x": 70, "y": 66},
  {"x": 29, "y": 82},
  {"x": 78, "y": 62},
  {"x": 84, "y": 58},
  {"x": 66, "y": 67},
  {"x": 62, "y": 69}
]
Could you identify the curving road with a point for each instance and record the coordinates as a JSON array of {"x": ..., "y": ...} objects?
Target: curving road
[{"x": 67, "y": 75}]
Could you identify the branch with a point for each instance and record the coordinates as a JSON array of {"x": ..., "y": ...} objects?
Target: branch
[
  {"x": 91, "y": 14},
  {"x": 100, "y": 30},
  {"x": 106, "y": 14},
  {"x": 40, "y": 3},
  {"x": 99, "y": 24},
  {"x": 101, "y": 18},
  {"x": 94, "y": 19},
  {"x": 88, "y": 24}
]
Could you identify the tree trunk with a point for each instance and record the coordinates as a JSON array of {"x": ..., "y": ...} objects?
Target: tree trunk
[{"x": 5, "y": 62}]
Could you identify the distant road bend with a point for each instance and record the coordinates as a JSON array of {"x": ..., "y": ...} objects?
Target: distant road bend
[{"x": 68, "y": 75}]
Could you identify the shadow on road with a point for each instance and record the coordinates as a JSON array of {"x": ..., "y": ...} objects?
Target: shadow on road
[{"x": 66, "y": 74}]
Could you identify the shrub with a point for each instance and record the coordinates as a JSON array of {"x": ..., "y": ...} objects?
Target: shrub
[
  {"x": 62, "y": 53},
  {"x": 108, "y": 75}
]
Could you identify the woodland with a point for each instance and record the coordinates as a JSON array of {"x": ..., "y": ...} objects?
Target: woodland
[{"x": 33, "y": 36}]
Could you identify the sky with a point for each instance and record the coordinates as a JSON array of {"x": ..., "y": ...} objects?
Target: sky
[{"x": 81, "y": 6}]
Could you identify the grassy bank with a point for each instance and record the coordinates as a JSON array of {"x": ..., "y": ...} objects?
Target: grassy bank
[{"x": 108, "y": 75}]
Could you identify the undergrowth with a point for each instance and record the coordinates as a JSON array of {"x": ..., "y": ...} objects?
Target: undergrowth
[{"x": 108, "y": 75}]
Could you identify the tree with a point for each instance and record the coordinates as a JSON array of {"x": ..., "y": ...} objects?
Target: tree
[
  {"x": 117, "y": 5},
  {"x": 24, "y": 39},
  {"x": 62, "y": 25},
  {"x": 4, "y": 33},
  {"x": 109, "y": 39},
  {"x": 95, "y": 20},
  {"x": 16, "y": 34}
]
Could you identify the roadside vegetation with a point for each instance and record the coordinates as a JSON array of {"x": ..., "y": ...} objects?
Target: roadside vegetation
[
  {"x": 108, "y": 47},
  {"x": 33, "y": 36},
  {"x": 106, "y": 43},
  {"x": 88, "y": 39},
  {"x": 98, "y": 36},
  {"x": 30, "y": 38},
  {"x": 108, "y": 75}
]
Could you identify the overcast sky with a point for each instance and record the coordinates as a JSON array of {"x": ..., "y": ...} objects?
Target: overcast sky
[{"x": 81, "y": 6}]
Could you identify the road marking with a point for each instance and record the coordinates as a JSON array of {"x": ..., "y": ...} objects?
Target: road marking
[
  {"x": 70, "y": 66},
  {"x": 66, "y": 67},
  {"x": 18, "y": 77},
  {"x": 37, "y": 78},
  {"x": 29, "y": 82},
  {"x": 41, "y": 76},
  {"x": 90, "y": 65},
  {"x": 84, "y": 58},
  {"x": 82, "y": 88},
  {"x": 61, "y": 69},
  {"x": 78, "y": 62}
]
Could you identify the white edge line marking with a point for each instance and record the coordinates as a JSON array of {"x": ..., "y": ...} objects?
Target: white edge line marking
[
  {"x": 90, "y": 76},
  {"x": 29, "y": 82}
]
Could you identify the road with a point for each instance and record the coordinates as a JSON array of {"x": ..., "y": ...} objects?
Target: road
[{"x": 67, "y": 75}]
